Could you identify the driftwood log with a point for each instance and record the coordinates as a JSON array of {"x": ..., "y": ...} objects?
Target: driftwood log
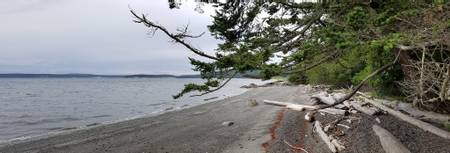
[
  {"x": 298, "y": 107},
  {"x": 366, "y": 110},
  {"x": 324, "y": 136},
  {"x": 423, "y": 125},
  {"x": 389, "y": 143}
]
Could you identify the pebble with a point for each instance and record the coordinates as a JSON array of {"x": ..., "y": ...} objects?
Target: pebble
[{"x": 227, "y": 123}]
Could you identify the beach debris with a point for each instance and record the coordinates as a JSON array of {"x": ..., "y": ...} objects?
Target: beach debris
[
  {"x": 207, "y": 99},
  {"x": 294, "y": 147},
  {"x": 326, "y": 98},
  {"x": 343, "y": 125},
  {"x": 251, "y": 85},
  {"x": 353, "y": 111},
  {"x": 167, "y": 109},
  {"x": 253, "y": 103},
  {"x": 378, "y": 120},
  {"x": 389, "y": 143},
  {"x": 338, "y": 145},
  {"x": 318, "y": 129},
  {"x": 309, "y": 116},
  {"x": 298, "y": 107},
  {"x": 364, "y": 109},
  {"x": 418, "y": 123},
  {"x": 228, "y": 123}
]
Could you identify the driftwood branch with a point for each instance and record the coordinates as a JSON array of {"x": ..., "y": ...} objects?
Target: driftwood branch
[
  {"x": 294, "y": 147},
  {"x": 298, "y": 107},
  {"x": 423, "y": 125},
  {"x": 324, "y": 136},
  {"x": 389, "y": 143}
]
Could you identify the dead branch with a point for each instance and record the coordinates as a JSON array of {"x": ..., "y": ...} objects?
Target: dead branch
[
  {"x": 376, "y": 72},
  {"x": 294, "y": 147}
]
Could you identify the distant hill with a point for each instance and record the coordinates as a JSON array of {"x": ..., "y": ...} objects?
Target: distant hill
[{"x": 23, "y": 75}]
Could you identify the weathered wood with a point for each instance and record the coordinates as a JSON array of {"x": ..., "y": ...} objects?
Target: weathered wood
[
  {"x": 276, "y": 103},
  {"x": 326, "y": 98},
  {"x": 299, "y": 107},
  {"x": 337, "y": 144},
  {"x": 309, "y": 116},
  {"x": 423, "y": 125},
  {"x": 366, "y": 110},
  {"x": 423, "y": 115},
  {"x": 389, "y": 143},
  {"x": 324, "y": 136}
]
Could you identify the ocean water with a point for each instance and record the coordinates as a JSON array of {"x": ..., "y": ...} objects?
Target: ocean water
[{"x": 38, "y": 106}]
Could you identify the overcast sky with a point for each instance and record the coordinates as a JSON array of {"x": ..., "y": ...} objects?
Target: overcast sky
[{"x": 95, "y": 36}]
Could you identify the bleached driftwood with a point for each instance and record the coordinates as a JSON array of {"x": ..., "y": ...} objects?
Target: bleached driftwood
[
  {"x": 326, "y": 98},
  {"x": 324, "y": 136},
  {"x": 366, "y": 110},
  {"x": 299, "y": 107},
  {"x": 423, "y": 125},
  {"x": 338, "y": 145},
  {"x": 423, "y": 115},
  {"x": 389, "y": 143},
  {"x": 309, "y": 116}
]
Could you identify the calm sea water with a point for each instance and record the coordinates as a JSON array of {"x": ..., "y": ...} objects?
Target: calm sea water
[{"x": 30, "y": 107}]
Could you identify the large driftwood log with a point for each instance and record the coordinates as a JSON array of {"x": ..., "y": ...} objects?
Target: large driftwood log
[
  {"x": 366, "y": 110},
  {"x": 298, "y": 107},
  {"x": 324, "y": 136},
  {"x": 389, "y": 143},
  {"x": 423, "y": 115},
  {"x": 329, "y": 99},
  {"x": 423, "y": 125}
]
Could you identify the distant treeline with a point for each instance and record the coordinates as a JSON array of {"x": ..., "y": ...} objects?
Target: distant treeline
[{"x": 20, "y": 75}]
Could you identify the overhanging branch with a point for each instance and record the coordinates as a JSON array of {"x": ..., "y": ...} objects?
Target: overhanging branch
[{"x": 175, "y": 37}]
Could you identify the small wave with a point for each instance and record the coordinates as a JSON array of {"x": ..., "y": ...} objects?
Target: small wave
[
  {"x": 93, "y": 124},
  {"x": 68, "y": 128},
  {"x": 25, "y": 116},
  {"x": 98, "y": 116},
  {"x": 71, "y": 119},
  {"x": 157, "y": 104}
]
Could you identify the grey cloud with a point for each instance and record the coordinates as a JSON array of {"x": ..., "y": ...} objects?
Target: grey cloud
[{"x": 95, "y": 36}]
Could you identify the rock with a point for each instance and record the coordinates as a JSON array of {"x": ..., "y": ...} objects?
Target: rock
[
  {"x": 207, "y": 99},
  {"x": 251, "y": 85},
  {"x": 252, "y": 103},
  {"x": 227, "y": 123}
]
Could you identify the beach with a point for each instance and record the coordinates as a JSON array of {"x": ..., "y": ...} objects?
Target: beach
[
  {"x": 232, "y": 125},
  {"x": 196, "y": 129}
]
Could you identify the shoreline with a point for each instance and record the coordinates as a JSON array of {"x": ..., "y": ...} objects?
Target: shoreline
[
  {"x": 62, "y": 129},
  {"x": 201, "y": 126},
  {"x": 37, "y": 137}
]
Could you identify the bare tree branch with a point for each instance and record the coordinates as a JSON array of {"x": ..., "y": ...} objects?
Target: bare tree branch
[
  {"x": 349, "y": 95},
  {"x": 175, "y": 37}
]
